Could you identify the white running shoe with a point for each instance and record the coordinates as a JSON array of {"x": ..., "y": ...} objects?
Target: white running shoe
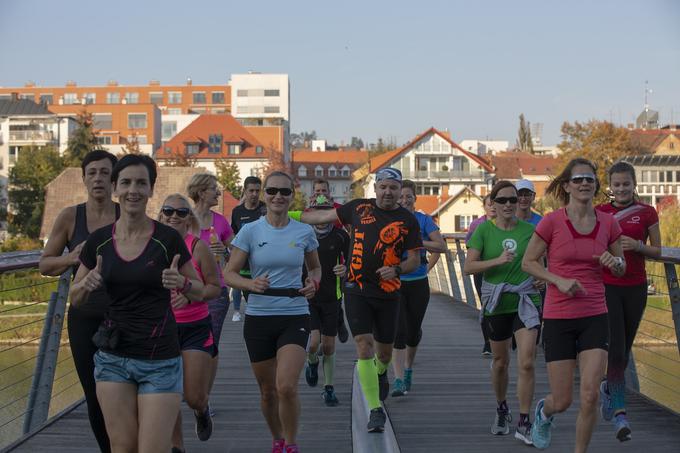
[{"x": 236, "y": 317}]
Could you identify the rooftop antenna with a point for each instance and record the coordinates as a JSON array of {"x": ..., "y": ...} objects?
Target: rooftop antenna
[{"x": 647, "y": 92}]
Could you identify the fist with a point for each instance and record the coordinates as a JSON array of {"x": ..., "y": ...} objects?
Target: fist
[
  {"x": 93, "y": 280},
  {"x": 339, "y": 270}
]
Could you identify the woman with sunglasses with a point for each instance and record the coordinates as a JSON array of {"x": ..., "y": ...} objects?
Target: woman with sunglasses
[
  {"x": 193, "y": 320},
  {"x": 510, "y": 304},
  {"x": 277, "y": 321},
  {"x": 626, "y": 295},
  {"x": 138, "y": 261},
  {"x": 579, "y": 242}
]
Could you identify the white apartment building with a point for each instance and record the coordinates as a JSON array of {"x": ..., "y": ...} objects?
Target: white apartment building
[
  {"x": 484, "y": 147},
  {"x": 171, "y": 125}
]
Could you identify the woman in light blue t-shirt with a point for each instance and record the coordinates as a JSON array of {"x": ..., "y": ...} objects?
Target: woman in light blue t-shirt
[{"x": 277, "y": 322}]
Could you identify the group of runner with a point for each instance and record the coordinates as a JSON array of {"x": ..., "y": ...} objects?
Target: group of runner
[{"x": 149, "y": 297}]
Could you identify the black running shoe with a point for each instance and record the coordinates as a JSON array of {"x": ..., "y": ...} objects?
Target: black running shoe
[
  {"x": 384, "y": 385},
  {"x": 329, "y": 396},
  {"x": 204, "y": 425},
  {"x": 312, "y": 374},
  {"x": 376, "y": 421},
  {"x": 343, "y": 333}
]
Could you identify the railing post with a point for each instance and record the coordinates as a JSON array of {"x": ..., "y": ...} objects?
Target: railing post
[
  {"x": 40, "y": 394},
  {"x": 453, "y": 278},
  {"x": 674, "y": 294},
  {"x": 467, "y": 284}
]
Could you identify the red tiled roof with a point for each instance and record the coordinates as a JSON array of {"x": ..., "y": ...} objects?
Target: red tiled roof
[
  {"x": 649, "y": 140},
  {"x": 429, "y": 203},
  {"x": 516, "y": 165},
  {"x": 330, "y": 157},
  {"x": 381, "y": 160}
]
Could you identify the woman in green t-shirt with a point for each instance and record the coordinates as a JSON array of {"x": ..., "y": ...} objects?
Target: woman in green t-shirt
[{"x": 510, "y": 303}]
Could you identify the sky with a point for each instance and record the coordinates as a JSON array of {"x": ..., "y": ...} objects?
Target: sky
[{"x": 372, "y": 69}]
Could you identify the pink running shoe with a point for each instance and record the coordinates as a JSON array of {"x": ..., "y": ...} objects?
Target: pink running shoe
[{"x": 278, "y": 446}]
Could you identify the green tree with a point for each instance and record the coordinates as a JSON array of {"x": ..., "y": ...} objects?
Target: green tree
[
  {"x": 356, "y": 142},
  {"x": 82, "y": 140},
  {"x": 229, "y": 177},
  {"x": 524, "y": 141},
  {"x": 299, "y": 202},
  {"x": 34, "y": 169}
]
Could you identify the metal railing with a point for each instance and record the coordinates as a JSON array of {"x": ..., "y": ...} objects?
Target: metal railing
[
  {"x": 22, "y": 136},
  {"x": 37, "y": 374},
  {"x": 654, "y": 365}
]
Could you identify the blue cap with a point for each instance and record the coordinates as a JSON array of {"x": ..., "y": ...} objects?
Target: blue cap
[{"x": 388, "y": 173}]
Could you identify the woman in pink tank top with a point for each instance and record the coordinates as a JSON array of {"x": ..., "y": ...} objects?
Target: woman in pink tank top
[{"x": 193, "y": 320}]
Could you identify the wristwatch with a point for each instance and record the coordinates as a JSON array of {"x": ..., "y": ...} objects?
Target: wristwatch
[
  {"x": 618, "y": 262},
  {"x": 397, "y": 269}
]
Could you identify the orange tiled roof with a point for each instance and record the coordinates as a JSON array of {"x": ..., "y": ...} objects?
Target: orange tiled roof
[
  {"x": 429, "y": 203},
  {"x": 330, "y": 157},
  {"x": 648, "y": 140},
  {"x": 271, "y": 137},
  {"x": 516, "y": 165},
  {"x": 381, "y": 160}
]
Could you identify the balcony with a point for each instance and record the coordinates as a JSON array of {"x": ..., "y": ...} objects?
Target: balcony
[
  {"x": 450, "y": 175},
  {"x": 31, "y": 136}
]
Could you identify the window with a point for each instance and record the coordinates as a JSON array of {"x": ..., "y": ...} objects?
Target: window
[
  {"x": 271, "y": 109},
  {"x": 463, "y": 222},
  {"x": 234, "y": 149},
  {"x": 5, "y": 97},
  {"x": 70, "y": 98},
  {"x": 345, "y": 171},
  {"x": 156, "y": 98},
  {"x": 102, "y": 121},
  {"x": 318, "y": 171},
  {"x": 168, "y": 150},
  {"x": 13, "y": 154},
  {"x": 192, "y": 148},
  {"x": 302, "y": 171},
  {"x": 136, "y": 120},
  {"x": 174, "y": 97},
  {"x": 141, "y": 139},
  {"x": 215, "y": 143},
  {"x": 132, "y": 98},
  {"x": 258, "y": 150},
  {"x": 332, "y": 171},
  {"x": 671, "y": 145},
  {"x": 28, "y": 96},
  {"x": 218, "y": 110},
  {"x": 271, "y": 93},
  {"x": 199, "y": 97},
  {"x": 669, "y": 176},
  {"x": 174, "y": 111},
  {"x": 168, "y": 130},
  {"x": 200, "y": 110},
  {"x": 46, "y": 99},
  {"x": 218, "y": 97},
  {"x": 243, "y": 93},
  {"x": 113, "y": 98},
  {"x": 90, "y": 98},
  {"x": 104, "y": 139}
]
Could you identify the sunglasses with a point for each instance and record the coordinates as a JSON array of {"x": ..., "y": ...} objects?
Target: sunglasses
[
  {"x": 578, "y": 179},
  {"x": 285, "y": 191},
  {"x": 168, "y": 211},
  {"x": 504, "y": 200}
]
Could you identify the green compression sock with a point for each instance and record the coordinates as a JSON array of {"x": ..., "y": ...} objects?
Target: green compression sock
[
  {"x": 380, "y": 366},
  {"x": 368, "y": 377},
  {"x": 328, "y": 369},
  {"x": 312, "y": 358}
]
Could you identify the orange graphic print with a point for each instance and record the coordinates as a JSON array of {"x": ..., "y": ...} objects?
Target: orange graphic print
[
  {"x": 355, "y": 268},
  {"x": 389, "y": 247}
]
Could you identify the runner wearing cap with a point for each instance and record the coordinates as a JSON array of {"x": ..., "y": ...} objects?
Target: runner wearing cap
[
  {"x": 333, "y": 251},
  {"x": 382, "y": 232},
  {"x": 526, "y": 193}
]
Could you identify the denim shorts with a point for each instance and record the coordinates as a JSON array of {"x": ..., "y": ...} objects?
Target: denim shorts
[{"x": 150, "y": 376}]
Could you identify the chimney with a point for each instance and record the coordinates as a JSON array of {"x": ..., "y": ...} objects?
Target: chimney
[
  {"x": 29, "y": 84},
  {"x": 154, "y": 83},
  {"x": 112, "y": 83},
  {"x": 70, "y": 83},
  {"x": 446, "y": 133},
  {"x": 15, "y": 96},
  {"x": 189, "y": 81}
]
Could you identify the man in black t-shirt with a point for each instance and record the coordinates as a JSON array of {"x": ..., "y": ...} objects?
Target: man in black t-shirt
[
  {"x": 382, "y": 231},
  {"x": 250, "y": 210}
]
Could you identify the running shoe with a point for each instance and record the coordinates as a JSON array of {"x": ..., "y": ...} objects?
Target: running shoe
[
  {"x": 540, "y": 430},
  {"x": 486, "y": 350},
  {"x": 278, "y": 446},
  {"x": 204, "y": 425},
  {"x": 408, "y": 379},
  {"x": 622, "y": 428},
  {"x": 398, "y": 388},
  {"x": 176, "y": 450},
  {"x": 606, "y": 406},
  {"x": 501, "y": 422},
  {"x": 291, "y": 449},
  {"x": 376, "y": 421},
  {"x": 343, "y": 333},
  {"x": 312, "y": 374},
  {"x": 384, "y": 385},
  {"x": 210, "y": 410},
  {"x": 523, "y": 433},
  {"x": 236, "y": 317},
  {"x": 329, "y": 396}
]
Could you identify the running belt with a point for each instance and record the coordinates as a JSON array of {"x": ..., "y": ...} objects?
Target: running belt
[{"x": 281, "y": 292}]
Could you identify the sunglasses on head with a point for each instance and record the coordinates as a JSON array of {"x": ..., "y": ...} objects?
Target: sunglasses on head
[
  {"x": 168, "y": 211},
  {"x": 578, "y": 179},
  {"x": 504, "y": 200},
  {"x": 285, "y": 191}
]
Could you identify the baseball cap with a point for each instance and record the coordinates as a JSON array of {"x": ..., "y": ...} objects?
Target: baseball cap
[
  {"x": 525, "y": 184},
  {"x": 388, "y": 173}
]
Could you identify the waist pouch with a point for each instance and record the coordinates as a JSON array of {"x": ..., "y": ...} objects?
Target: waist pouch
[
  {"x": 281, "y": 292},
  {"x": 107, "y": 336}
]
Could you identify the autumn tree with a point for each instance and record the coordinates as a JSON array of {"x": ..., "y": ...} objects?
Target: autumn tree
[
  {"x": 229, "y": 177},
  {"x": 524, "y": 141},
  {"x": 179, "y": 159},
  {"x": 131, "y": 146},
  {"x": 82, "y": 140}
]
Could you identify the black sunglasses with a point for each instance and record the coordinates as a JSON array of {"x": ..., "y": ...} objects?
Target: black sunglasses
[
  {"x": 578, "y": 179},
  {"x": 504, "y": 200},
  {"x": 285, "y": 191},
  {"x": 168, "y": 211}
]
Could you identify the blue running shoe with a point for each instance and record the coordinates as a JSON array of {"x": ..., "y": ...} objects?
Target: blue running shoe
[
  {"x": 540, "y": 430},
  {"x": 606, "y": 406},
  {"x": 408, "y": 379},
  {"x": 398, "y": 388},
  {"x": 622, "y": 428}
]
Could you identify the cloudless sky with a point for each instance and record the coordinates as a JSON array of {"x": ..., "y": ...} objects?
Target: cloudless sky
[{"x": 371, "y": 68}]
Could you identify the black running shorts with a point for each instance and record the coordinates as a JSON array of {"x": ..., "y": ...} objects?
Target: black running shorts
[
  {"x": 502, "y": 327},
  {"x": 372, "y": 315},
  {"x": 565, "y": 338},
  {"x": 264, "y": 335},
  {"x": 324, "y": 316},
  {"x": 197, "y": 336}
]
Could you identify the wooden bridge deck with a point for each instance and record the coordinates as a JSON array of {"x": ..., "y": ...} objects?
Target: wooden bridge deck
[{"x": 449, "y": 409}]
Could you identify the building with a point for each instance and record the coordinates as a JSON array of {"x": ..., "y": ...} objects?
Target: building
[
  {"x": 656, "y": 141},
  {"x": 456, "y": 213},
  {"x": 485, "y": 147},
  {"x": 337, "y": 167},
  {"x": 171, "y": 125},
  {"x": 513, "y": 166},
  {"x": 436, "y": 164},
  {"x": 658, "y": 176}
]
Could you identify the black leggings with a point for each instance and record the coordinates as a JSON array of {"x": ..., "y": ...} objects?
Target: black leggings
[
  {"x": 415, "y": 296},
  {"x": 477, "y": 278},
  {"x": 82, "y": 326}
]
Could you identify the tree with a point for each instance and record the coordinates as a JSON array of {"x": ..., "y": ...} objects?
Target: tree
[
  {"x": 299, "y": 202},
  {"x": 34, "y": 169},
  {"x": 179, "y": 159},
  {"x": 524, "y": 141},
  {"x": 600, "y": 142},
  {"x": 82, "y": 140},
  {"x": 357, "y": 143},
  {"x": 302, "y": 139},
  {"x": 131, "y": 146},
  {"x": 229, "y": 177},
  {"x": 382, "y": 147}
]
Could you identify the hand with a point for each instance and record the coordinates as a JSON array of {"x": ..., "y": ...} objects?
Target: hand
[
  {"x": 539, "y": 285},
  {"x": 310, "y": 288},
  {"x": 93, "y": 280},
  {"x": 387, "y": 273},
  {"x": 339, "y": 270},
  {"x": 172, "y": 279},
  {"x": 570, "y": 287},
  {"x": 178, "y": 300},
  {"x": 74, "y": 255},
  {"x": 217, "y": 248},
  {"x": 629, "y": 244},
  {"x": 259, "y": 284},
  {"x": 506, "y": 257},
  {"x": 608, "y": 260}
]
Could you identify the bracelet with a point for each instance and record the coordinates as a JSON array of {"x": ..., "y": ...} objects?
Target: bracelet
[
  {"x": 640, "y": 245},
  {"x": 187, "y": 286}
]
